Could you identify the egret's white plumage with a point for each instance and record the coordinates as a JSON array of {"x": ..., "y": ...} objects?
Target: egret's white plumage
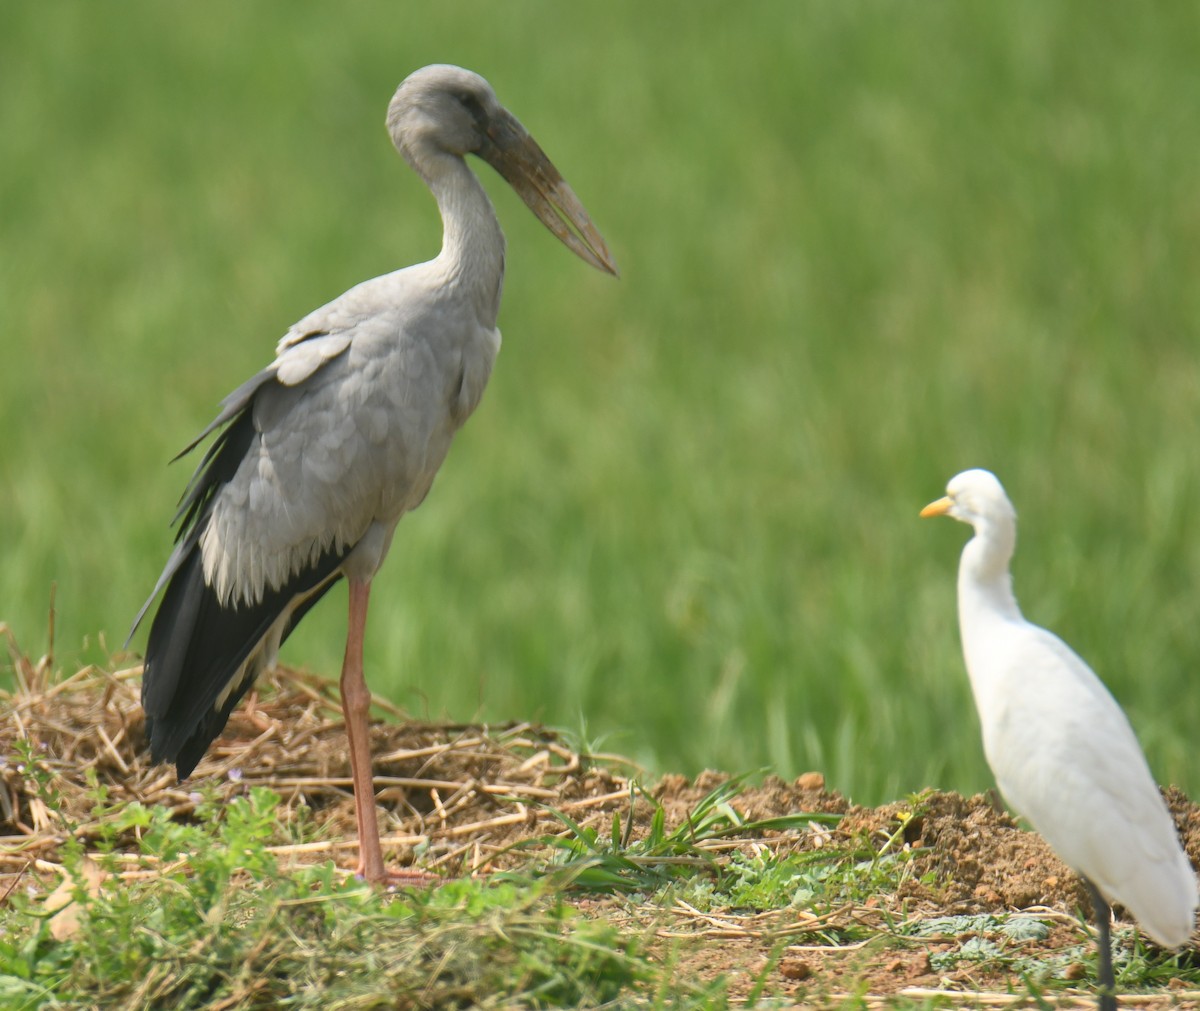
[
  {"x": 326, "y": 448},
  {"x": 1062, "y": 750}
]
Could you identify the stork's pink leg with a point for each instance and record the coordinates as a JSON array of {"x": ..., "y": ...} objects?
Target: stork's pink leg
[{"x": 356, "y": 705}]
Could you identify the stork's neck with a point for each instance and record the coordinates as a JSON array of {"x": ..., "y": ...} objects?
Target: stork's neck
[
  {"x": 472, "y": 256},
  {"x": 984, "y": 579}
]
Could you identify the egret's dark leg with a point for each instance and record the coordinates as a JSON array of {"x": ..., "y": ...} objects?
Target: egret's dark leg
[
  {"x": 356, "y": 705},
  {"x": 1108, "y": 982}
]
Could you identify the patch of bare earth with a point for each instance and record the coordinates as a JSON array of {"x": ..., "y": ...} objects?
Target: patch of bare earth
[{"x": 470, "y": 799}]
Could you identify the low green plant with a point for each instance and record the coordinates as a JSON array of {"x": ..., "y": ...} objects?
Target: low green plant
[
  {"x": 619, "y": 861},
  {"x": 1003, "y": 941}
]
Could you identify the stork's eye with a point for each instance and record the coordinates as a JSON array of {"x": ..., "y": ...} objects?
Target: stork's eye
[{"x": 472, "y": 105}]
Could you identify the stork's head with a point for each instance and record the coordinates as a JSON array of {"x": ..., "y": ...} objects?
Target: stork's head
[
  {"x": 444, "y": 111},
  {"x": 443, "y": 107}
]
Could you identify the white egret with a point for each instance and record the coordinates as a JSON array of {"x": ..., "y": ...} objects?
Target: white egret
[
  {"x": 1061, "y": 749},
  {"x": 326, "y": 448}
]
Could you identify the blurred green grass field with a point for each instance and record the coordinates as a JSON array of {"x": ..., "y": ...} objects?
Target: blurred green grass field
[{"x": 863, "y": 245}]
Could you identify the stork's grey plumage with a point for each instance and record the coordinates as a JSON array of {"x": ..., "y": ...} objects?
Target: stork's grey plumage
[{"x": 324, "y": 450}]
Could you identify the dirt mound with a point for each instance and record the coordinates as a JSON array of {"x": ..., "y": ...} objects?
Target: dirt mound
[
  {"x": 458, "y": 799},
  {"x": 447, "y": 790},
  {"x": 983, "y": 862},
  {"x": 462, "y": 794}
]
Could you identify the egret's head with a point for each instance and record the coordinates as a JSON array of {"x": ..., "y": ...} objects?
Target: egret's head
[{"x": 975, "y": 497}]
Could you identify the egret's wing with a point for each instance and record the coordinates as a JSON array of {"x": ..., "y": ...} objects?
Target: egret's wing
[{"x": 1066, "y": 758}]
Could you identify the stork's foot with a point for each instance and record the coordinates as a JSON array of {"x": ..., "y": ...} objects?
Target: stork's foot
[
  {"x": 412, "y": 879},
  {"x": 391, "y": 880}
]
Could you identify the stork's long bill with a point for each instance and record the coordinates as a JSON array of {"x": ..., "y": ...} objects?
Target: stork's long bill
[{"x": 512, "y": 152}]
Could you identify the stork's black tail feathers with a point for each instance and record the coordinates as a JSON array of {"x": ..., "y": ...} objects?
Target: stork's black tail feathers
[{"x": 202, "y": 657}]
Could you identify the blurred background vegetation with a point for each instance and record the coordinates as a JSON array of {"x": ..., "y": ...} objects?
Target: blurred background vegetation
[{"x": 863, "y": 245}]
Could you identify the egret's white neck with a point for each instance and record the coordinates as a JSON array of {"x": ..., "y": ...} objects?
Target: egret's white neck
[
  {"x": 472, "y": 256},
  {"x": 984, "y": 579},
  {"x": 987, "y": 612}
]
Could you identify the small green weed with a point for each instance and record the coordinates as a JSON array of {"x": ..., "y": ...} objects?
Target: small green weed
[
  {"x": 818, "y": 880},
  {"x": 617, "y": 861},
  {"x": 990, "y": 940},
  {"x": 822, "y": 878},
  {"x": 1003, "y": 942}
]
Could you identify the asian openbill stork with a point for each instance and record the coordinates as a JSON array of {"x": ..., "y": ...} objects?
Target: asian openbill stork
[{"x": 326, "y": 448}]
